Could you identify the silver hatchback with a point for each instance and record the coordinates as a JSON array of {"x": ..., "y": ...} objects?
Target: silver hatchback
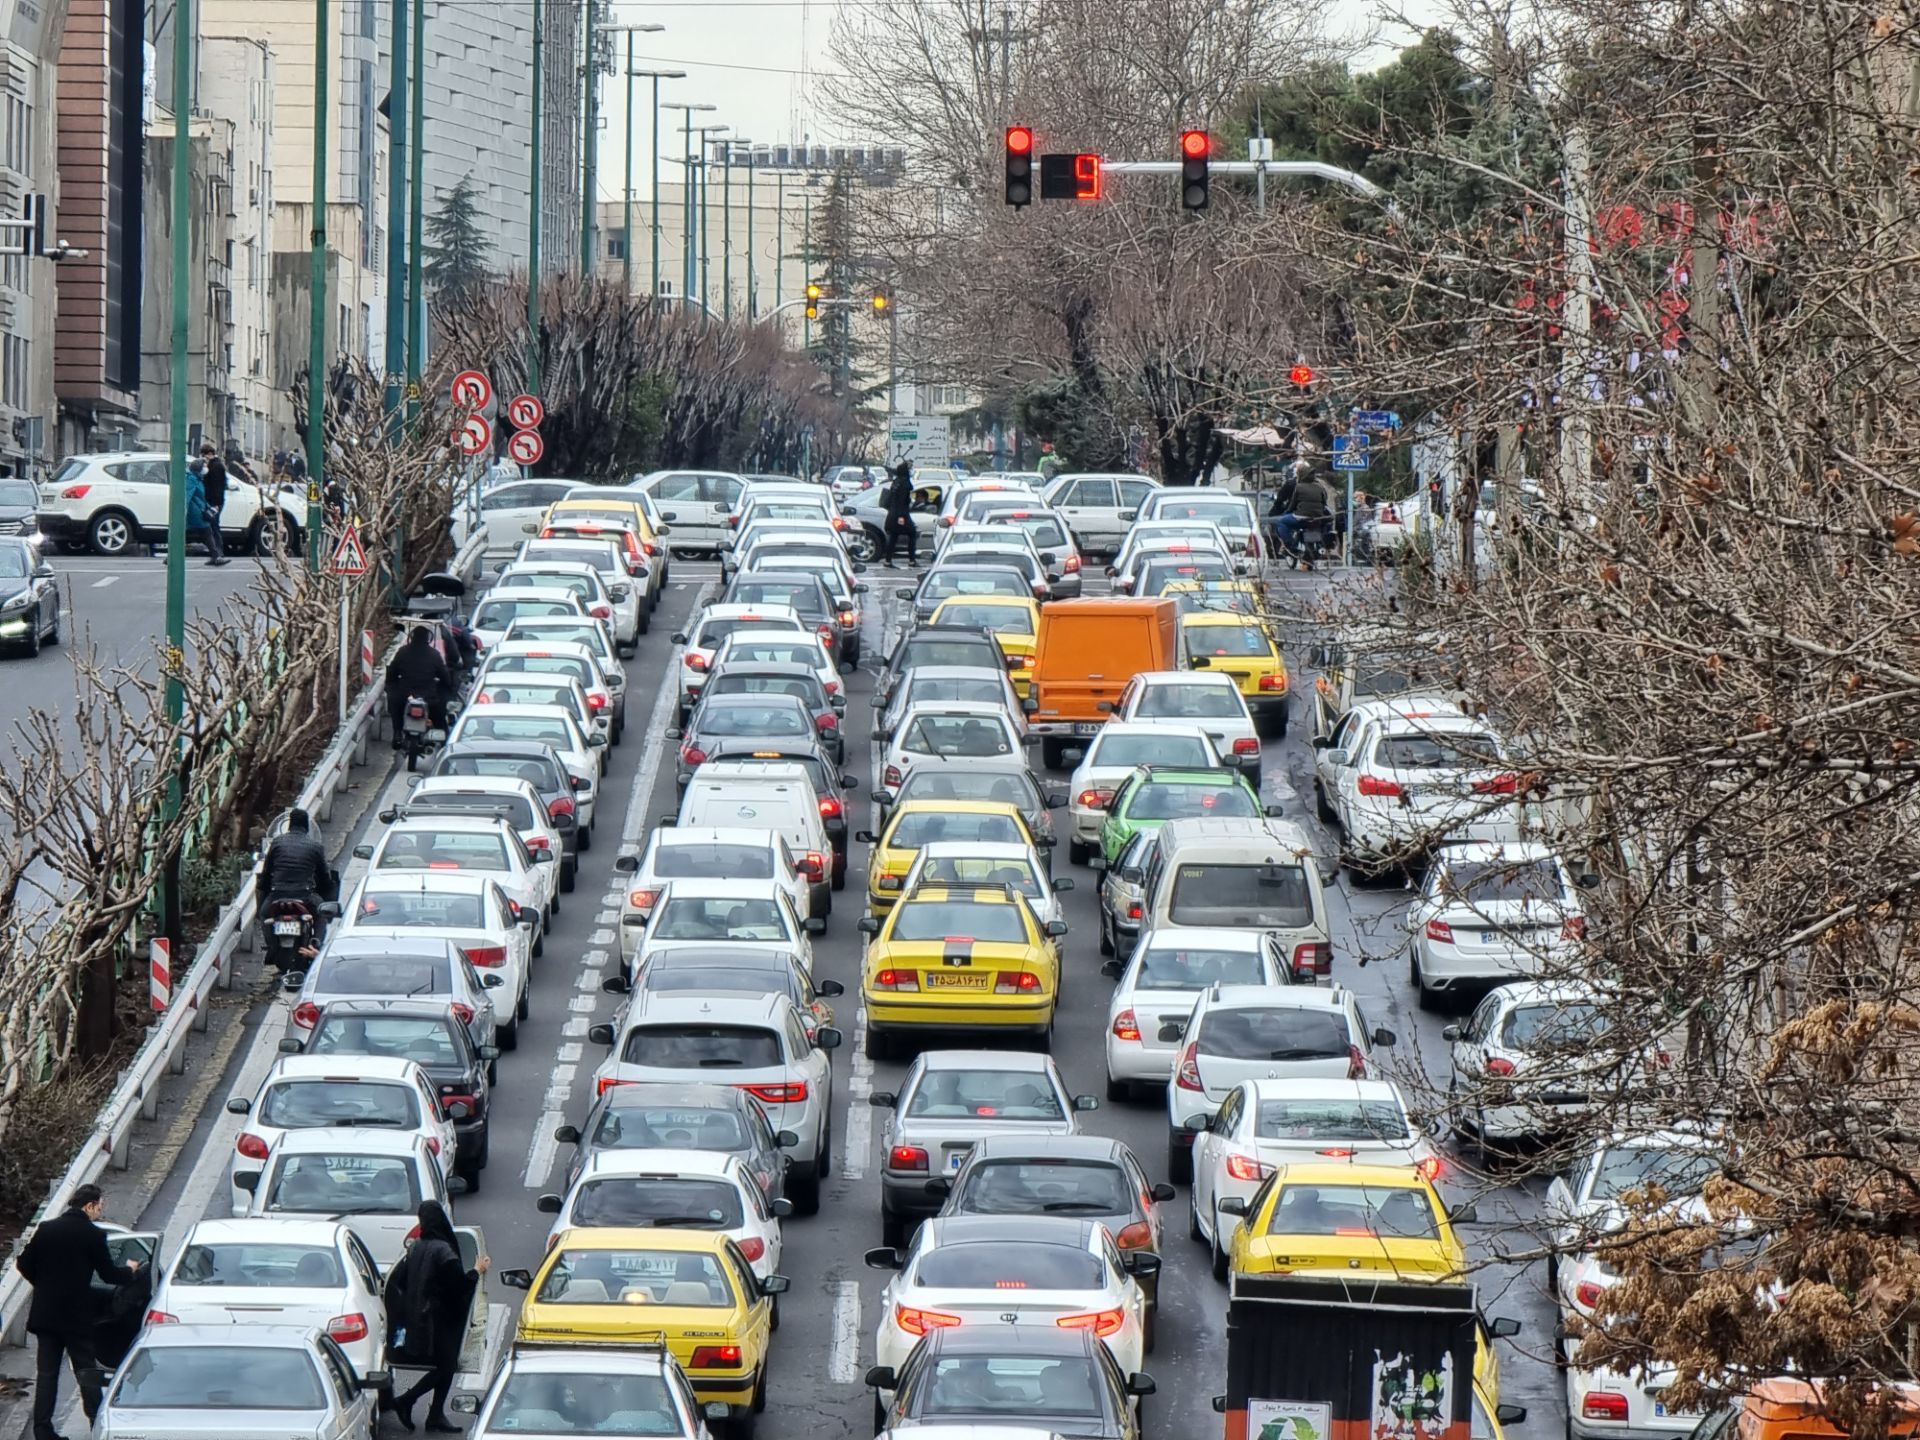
[{"x": 239, "y": 1382}]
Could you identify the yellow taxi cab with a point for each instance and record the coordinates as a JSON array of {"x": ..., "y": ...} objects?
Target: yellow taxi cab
[
  {"x": 1244, "y": 647},
  {"x": 914, "y": 823},
  {"x": 952, "y": 957},
  {"x": 691, "y": 1290},
  {"x": 1014, "y": 621},
  {"x": 612, "y": 515},
  {"x": 1337, "y": 1219},
  {"x": 1229, "y": 597}
]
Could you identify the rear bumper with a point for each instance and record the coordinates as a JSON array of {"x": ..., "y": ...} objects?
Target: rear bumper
[
  {"x": 1136, "y": 1062},
  {"x": 906, "y": 1194},
  {"x": 56, "y": 526},
  {"x": 980, "y": 1014}
]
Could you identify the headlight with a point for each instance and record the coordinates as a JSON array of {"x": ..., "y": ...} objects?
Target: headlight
[{"x": 16, "y": 602}]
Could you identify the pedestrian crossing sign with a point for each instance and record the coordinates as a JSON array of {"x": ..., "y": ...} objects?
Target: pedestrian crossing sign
[{"x": 350, "y": 556}]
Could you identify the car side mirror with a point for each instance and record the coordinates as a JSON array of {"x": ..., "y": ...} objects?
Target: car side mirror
[
  {"x": 1085, "y": 1102},
  {"x": 849, "y": 782},
  {"x": 886, "y": 1257},
  {"x": 1031, "y": 706},
  {"x": 1219, "y": 1404},
  {"x": 567, "y": 1134},
  {"x": 1199, "y": 662},
  {"x": 458, "y": 1185},
  {"x": 247, "y": 1180},
  {"x": 679, "y": 637},
  {"x": 489, "y": 1052},
  {"x": 388, "y": 815},
  {"x": 550, "y": 1204},
  {"x": 717, "y": 1411},
  {"x": 1503, "y": 1328},
  {"x": 1453, "y": 1034},
  {"x": 839, "y": 702},
  {"x": 615, "y": 985},
  {"x": 786, "y": 1139},
  {"x": 1587, "y": 880},
  {"x": 239, "y": 1104},
  {"x": 491, "y": 981},
  {"x": 290, "y": 1046},
  {"x": 883, "y": 1100},
  {"x": 1233, "y": 1205},
  {"x": 363, "y": 852},
  {"x": 43, "y": 572},
  {"x": 881, "y": 797},
  {"x": 1056, "y": 928},
  {"x": 670, "y": 819},
  {"x": 1096, "y": 861},
  {"x": 517, "y": 1279},
  {"x": 1063, "y": 884},
  {"x": 826, "y": 1038},
  {"x": 815, "y": 925},
  {"x": 1510, "y": 1414},
  {"x": 868, "y": 925},
  {"x": 1200, "y": 1124},
  {"x": 828, "y": 988},
  {"x": 1162, "y": 1192},
  {"x": 775, "y": 1285},
  {"x": 880, "y": 1377},
  {"x": 1140, "y": 1263},
  {"x": 1112, "y": 969},
  {"x": 1140, "y": 1383},
  {"x": 1465, "y": 1215},
  {"x": 626, "y": 864},
  {"x": 1384, "y": 1036},
  {"x": 780, "y": 1208},
  {"x": 1336, "y": 758},
  {"x": 601, "y": 1034},
  {"x": 867, "y": 837}
]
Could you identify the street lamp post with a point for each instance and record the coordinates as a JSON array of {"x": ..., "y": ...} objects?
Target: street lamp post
[
  {"x": 753, "y": 301},
  {"x": 626, "y": 248},
  {"x": 533, "y": 204},
  {"x": 686, "y": 194},
  {"x": 184, "y": 28},
  {"x": 416, "y": 196},
  {"x": 653, "y": 186},
  {"x": 317, "y": 291},
  {"x": 726, "y": 227},
  {"x": 397, "y": 211},
  {"x": 702, "y": 236}
]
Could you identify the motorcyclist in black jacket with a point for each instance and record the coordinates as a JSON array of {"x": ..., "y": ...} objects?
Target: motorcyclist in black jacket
[
  {"x": 296, "y": 868},
  {"x": 417, "y": 669}
]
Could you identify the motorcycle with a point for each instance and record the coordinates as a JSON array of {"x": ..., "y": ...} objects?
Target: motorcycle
[
  {"x": 292, "y": 933},
  {"x": 418, "y": 733},
  {"x": 1311, "y": 544}
]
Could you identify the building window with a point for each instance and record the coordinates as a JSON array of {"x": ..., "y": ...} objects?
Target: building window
[
  {"x": 616, "y": 244},
  {"x": 20, "y": 136},
  {"x": 15, "y": 354}
]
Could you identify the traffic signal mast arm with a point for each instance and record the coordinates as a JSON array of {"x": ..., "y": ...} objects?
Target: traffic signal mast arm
[{"x": 1316, "y": 169}]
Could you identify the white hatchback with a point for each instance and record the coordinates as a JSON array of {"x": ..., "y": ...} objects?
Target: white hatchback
[
  {"x": 585, "y": 581},
  {"x": 1152, "y": 1003},
  {"x": 678, "y": 853},
  {"x": 686, "y": 1189},
  {"x": 552, "y": 726},
  {"x": 1490, "y": 913},
  {"x": 961, "y": 730},
  {"x": 715, "y": 624},
  {"x": 1116, "y": 752},
  {"x": 780, "y": 647},
  {"x": 1193, "y": 698},
  {"x": 727, "y": 912}
]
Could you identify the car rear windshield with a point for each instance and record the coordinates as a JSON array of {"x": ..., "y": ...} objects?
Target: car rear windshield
[
  {"x": 1227, "y": 514},
  {"x": 998, "y": 786},
  {"x": 1640, "y": 1167},
  {"x": 259, "y": 1266},
  {"x": 704, "y": 860},
  {"x": 973, "y": 582},
  {"x": 703, "y": 1047},
  {"x": 1481, "y": 882},
  {"x": 219, "y": 1377},
  {"x": 497, "y": 614},
  {"x": 1555, "y": 1026},
  {"x": 542, "y": 1403},
  {"x": 1182, "y": 967},
  {"x": 1001, "y": 619},
  {"x": 1273, "y": 897},
  {"x": 805, "y": 597},
  {"x": 750, "y": 719},
  {"x": 1156, "y": 573},
  {"x": 1026, "y": 1388},
  {"x": 571, "y": 666},
  {"x": 383, "y": 975},
  {"x": 585, "y": 633},
  {"x": 1192, "y": 799},
  {"x": 979, "y": 691},
  {"x": 516, "y": 810},
  {"x": 975, "y": 652},
  {"x": 426, "y": 1042},
  {"x": 1190, "y": 702},
  {"x": 445, "y": 850},
  {"x": 712, "y": 632},
  {"x": 956, "y": 1094},
  {"x": 806, "y": 691},
  {"x": 776, "y": 652},
  {"x": 302, "y": 1104},
  {"x": 924, "y": 827},
  {"x": 342, "y": 1183},
  {"x": 668, "y": 1127},
  {"x": 1042, "y": 1187},
  {"x": 1045, "y": 531},
  {"x": 1331, "y": 1120},
  {"x": 1435, "y": 752},
  {"x": 417, "y": 910},
  {"x": 1228, "y": 640},
  {"x": 1274, "y": 1033},
  {"x": 701, "y": 978},
  {"x": 690, "y": 1203},
  {"x": 923, "y": 920},
  {"x": 556, "y": 733},
  {"x": 969, "y": 870},
  {"x": 1391, "y": 1213},
  {"x": 541, "y": 774},
  {"x": 636, "y": 1277},
  {"x": 1010, "y": 1265},
  {"x": 581, "y": 585},
  {"x": 527, "y": 690},
  {"x": 728, "y": 919},
  {"x": 955, "y": 735},
  {"x": 1167, "y": 750}
]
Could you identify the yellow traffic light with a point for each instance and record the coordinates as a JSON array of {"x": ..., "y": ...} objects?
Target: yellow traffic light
[
  {"x": 813, "y": 291},
  {"x": 813, "y": 300},
  {"x": 880, "y": 303}
]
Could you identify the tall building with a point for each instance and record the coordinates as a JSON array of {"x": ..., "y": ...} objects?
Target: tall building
[
  {"x": 237, "y": 86},
  {"x": 560, "y": 141}
]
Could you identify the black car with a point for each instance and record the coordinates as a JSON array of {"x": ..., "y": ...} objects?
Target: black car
[
  {"x": 29, "y": 597},
  {"x": 955, "y": 645},
  {"x": 828, "y": 783},
  {"x": 428, "y": 1034},
  {"x": 776, "y": 719},
  {"x": 745, "y": 677},
  {"x": 19, "y": 507},
  {"x": 1064, "y": 1382},
  {"x": 535, "y": 763},
  {"x": 651, "y": 1115},
  {"x": 946, "y": 581},
  {"x": 807, "y": 594}
]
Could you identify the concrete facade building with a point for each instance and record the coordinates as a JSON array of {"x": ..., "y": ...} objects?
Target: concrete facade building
[{"x": 237, "y": 86}]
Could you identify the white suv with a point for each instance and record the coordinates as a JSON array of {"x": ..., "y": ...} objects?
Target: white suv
[
  {"x": 111, "y": 503},
  {"x": 757, "y": 1043}
]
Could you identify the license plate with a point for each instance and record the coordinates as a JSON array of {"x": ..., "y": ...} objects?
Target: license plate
[
  {"x": 286, "y": 927},
  {"x": 955, "y": 980},
  {"x": 955, "y": 1159},
  {"x": 1489, "y": 937},
  {"x": 1082, "y": 727},
  {"x": 1661, "y": 1412}
]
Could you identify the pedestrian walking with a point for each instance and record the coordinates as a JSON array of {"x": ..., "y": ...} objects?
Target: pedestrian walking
[
  {"x": 899, "y": 511},
  {"x": 213, "y": 495},
  {"x": 61, "y": 1262},
  {"x": 428, "y": 1296},
  {"x": 197, "y": 527}
]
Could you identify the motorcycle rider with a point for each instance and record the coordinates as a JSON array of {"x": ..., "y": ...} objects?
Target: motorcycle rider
[
  {"x": 417, "y": 669},
  {"x": 1312, "y": 504},
  {"x": 296, "y": 868}
]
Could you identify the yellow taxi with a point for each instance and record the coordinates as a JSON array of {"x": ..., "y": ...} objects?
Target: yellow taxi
[
  {"x": 1338, "y": 1219},
  {"x": 1014, "y": 621},
  {"x": 914, "y": 823},
  {"x": 1230, "y": 597},
  {"x": 952, "y": 957},
  {"x": 611, "y": 514},
  {"x": 691, "y": 1290},
  {"x": 1244, "y": 647}
]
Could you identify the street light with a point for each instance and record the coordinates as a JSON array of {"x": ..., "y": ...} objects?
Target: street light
[
  {"x": 590, "y": 106},
  {"x": 686, "y": 194},
  {"x": 653, "y": 189},
  {"x": 726, "y": 223},
  {"x": 706, "y": 257}
]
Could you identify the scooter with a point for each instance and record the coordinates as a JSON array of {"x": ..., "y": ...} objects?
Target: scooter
[
  {"x": 418, "y": 733},
  {"x": 1311, "y": 544}
]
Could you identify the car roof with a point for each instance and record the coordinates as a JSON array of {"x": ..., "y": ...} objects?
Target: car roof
[
  {"x": 255, "y": 1229},
  {"x": 970, "y": 708},
  {"x": 535, "y": 592},
  {"x": 1023, "y": 1061},
  {"x": 957, "y": 672},
  {"x": 473, "y": 785},
  {"x": 787, "y": 771},
  {"x": 574, "y": 1358},
  {"x": 455, "y": 882},
  {"x": 1535, "y": 992},
  {"x": 1274, "y": 1087},
  {"x": 656, "y": 1006},
  {"x": 690, "y": 1093},
  {"x": 1474, "y": 852},
  {"x": 720, "y": 955},
  {"x": 485, "y": 745},
  {"x": 1249, "y": 830},
  {"x": 700, "y": 888},
  {"x": 1191, "y": 775},
  {"x": 784, "y": 669},
  {"x": 1401, "y": 706},
  {"x": 411, "y": 946},
  {"x": 1011, "y": 763},
  {"x": 319, "y": 1139},
  {"x": 478, "y": 824},
  {"x": 627, "y": 1237},
  {"x": 956, "y": 807},
  {"x": 405, "y": 1007},
  {"x": 252, "y": 1336},
  {"x": 1216, "y": 678},
  {"x": 1391, "y": 1177},
  {"x": 1193, "y": 936},
  {"x": 1076, "y": 1234},
  {"x": 1275, "y": 997},
  {"x": 518, "y": 711},
  {"x": 737, "y": 609},
  {"x": 1071, "y": 1147},
  {"x": 668, "y": 835},
  {"x": 979, "y": 849},
  {"x": 661, "y": 1162},
  {"x": 329, "y": 1067}
]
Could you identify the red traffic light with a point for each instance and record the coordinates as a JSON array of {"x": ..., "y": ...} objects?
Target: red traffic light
[
  {"x": 1301, "y": 374},
  {"x": 1019, "y": 140},
  {"x": 1195, "y": 144}
]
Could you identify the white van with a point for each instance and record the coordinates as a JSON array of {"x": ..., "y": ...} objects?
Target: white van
[
  {"x": 731, "y": 794},
  {"x": 1242, "y": 875}
]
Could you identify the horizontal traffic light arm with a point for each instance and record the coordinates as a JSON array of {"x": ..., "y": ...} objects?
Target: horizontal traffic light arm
[
  {"x": 1314, "y": 169},
  {"x": 831, "y": 302}
]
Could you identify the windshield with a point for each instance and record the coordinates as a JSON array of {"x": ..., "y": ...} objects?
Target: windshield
[
  {"x": 776, "y": 652},
  {"x": 973, "y": 582},
  {"x": 636, "y": 1277},
  {"x": 695, "y": 1203},
  {"x": 580, "y": 585},
  {"x": 959, "y": 920},
  {"x": 965, "y": 870},
  {"x": 750, "y": 719},
  {"x": 259, "y": 1266},
  {"x": 383, "y": 975},
  {"x": 617, "y": 1403},
  {"x": 1640, "y": 1167},
  {"x": 956, "y": 735},
  {"x": 649, "y": 1127},
  {"x": 1156, "y": 573},
  {"x": 1228, "y": 640},
  {"x": 1227, "y": 514},
  {"x": 344, "y": 1184},
  {"x": 497, "y": 613},
  {"x": 1271, "y": 897},
  {"x": 13, "y": 562},
  {"x": 1042, "y": 1187},
  {"x": 528, "y": 690},
  {"x": 587, "y": 633},
  {"x": 806, "y": 598},
  {"x": 955, "y": 1094},
  {"x": 1001, "y": 619},
  {"x": 998, "y": 786},
  {"x": 1183, "y": 800},
  {"x": 1260, "y": 1033},
  {"x": 1481, "y": 883},
  {"x": 18, "y": 494},
  {"x": 1190, "y": 702},
  {"x": 516, "y": 810},
  {"x": 698, "y": 979},
  {"x": 537, "y": 772},
  {"x": 1165, "y": 750},
  {"x": 1045, "y": 531},
  {"x": 704, "y": 860},
  {"x": 1026, "y": 1388},
  {"x": 982, "y": 690},
  {"x": 712, "y": 632},
  {"x": 1435, "y": 752},
  {"x": 1010, "y": 1265},
  {"x": 1210, "y": 597},
  {"x": 219, "y": 1377},
  {"x": 719, "y": 919},
  {"x": 420, "y": 910},
  {"x": 1331, "y": 1120},
  {"x": 444, "y": 850},
  {"x": 924, "y": 827},
  {"x": 977, "y": 653},
  {"x": 1555, "y": 1026},
  {"x": 556, "y": 733},
  {"x": 302, "y": 1104},
  {"x": 702, "y": 1047},
  {"x": 805, "y": 689},
  {"x": 1390, "y": 1213},
  {"x": 580, "y": 671},
  {"x": 1182, "y": 967},
  {"x": 426, "y": 1042}
]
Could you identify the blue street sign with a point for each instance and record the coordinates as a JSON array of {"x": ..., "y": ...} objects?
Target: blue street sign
[
  {"x": 1376, "y": 420},
  {"x": 1349, "y": 452}
]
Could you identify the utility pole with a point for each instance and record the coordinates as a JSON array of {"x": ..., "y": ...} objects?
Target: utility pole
[
  {"x": 590, "y": 137},
  {"x": 753, "y": 300},
  {"x": 175, "y": 660},
  {"x": 397, "y": 212},
  {"x": 779, "y": 237},
  {"x": 533, "y": 202},
  {"x": 686, "y": 193},
  {"x": 626, "y": 189},
  {"x": 806, "y": 265},
  {"x": 317, "y": 292},
  {"x": 1576, "y": 422},
  {"x": 416, "y": 195}
]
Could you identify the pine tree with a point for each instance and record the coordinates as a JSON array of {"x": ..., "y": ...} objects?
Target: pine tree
[{"x": 456, "y": 246}]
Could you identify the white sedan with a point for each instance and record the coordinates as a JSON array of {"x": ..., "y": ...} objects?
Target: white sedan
[
  {"x": 730, "y": 912},
  {"x": 686, "y": 1189},
  {"x": 553, "y": 727},
  {"x": 480, "y": 844},
  {"x": 960, "y": 730},
  {"x": 1149, "y": 1010},
  {"x": 495, "y": 615},
  {"x": 702, "y": 852},
  {"x": 1190, "y": 698},
  {"x": 715, "y": 624},
  {"x": 1114, "y": 754},
  {"x": 585, "y": 582},
  {"x": 781, "y": 647},
  {"x": 1490, "y": 913}
]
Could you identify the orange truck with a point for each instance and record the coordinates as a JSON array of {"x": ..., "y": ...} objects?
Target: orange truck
[{"x": 1086, "y": 652}]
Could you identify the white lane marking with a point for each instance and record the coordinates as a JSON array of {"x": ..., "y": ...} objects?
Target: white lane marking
[
  {"x": 589, "y": 980},
  {"x": 583, "y": 1005},
  {"x": 576, "y": 1028},
  {"x": 571, "y": 1053},
  {"x": 843, "y": 1348},
  {"x": 609, "y": 915},
  {"x": 102, "y": 583},
  {"x": 600, "y": 937},
  {"x": 857, "y": 1147}
]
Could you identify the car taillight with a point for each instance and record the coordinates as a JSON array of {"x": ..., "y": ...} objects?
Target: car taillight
[
  {"x": 1245, "y": 1167},
  {"x": 1337, "y": 1152},
  {"x": 1135, "y": 910},
  {"x": 833, "y": 686},
  {"x": 693, "y": 755},
  {"x": 897, "y": 980},
  {"x": 1574, "y": 928},
  {"x": 1095, "y": 799},
  {"x": 486, "y": 956},
  {"x": 829, "y": 721},
  {"x": 1440, "y": 930},
  {"x": 650, "y": 547},
  {"x": 1499, "y": 1065},
  {"x": 1246, "y": 745},
  {"x": 1603, "y": 1405},
  {"x": 643, "y": 899},
  {"x": 157, "y": 1317},
  {"x": 601, "y": 612},
  {"x": 919, "y": 1322},
  {"x": 538, "y": 842},
  {"x": 1431, "y": 1168},
  {"x": 892, "y": 777},
  {"x": 345, "y": 1329},
  {"x": 1498, "y": 785},
  {"x": 1015, "y": 982},
  {"x": 714, "y": 1357},
  {"x": 696, "y": 661},
  {"x": 830, "y": 808},
  {"x": 251, "y": 1146},
  {"x": 946, "y": 520},
  {"x": 1273, "y": 682},
  {"x": 1101, "y": 1322},
  {"x": 824, "y": 629},
  {"x": 1313, "y": 959},
  {"x": 789, "y": 1092},
  {"x": 1126, "y": 1026},
  {"x": 463, "y": 1012},
  {"x": 1356, "y": 1063},
  {"x": 608, "y": 1084},
  {"x": 1375, "y": 785},
  {"x": 888, "y": 881},
  {"x": 1137, "y": 1236},
  {"x": 753, "y": 1247},
  {"x": 906, "y": 1157},
  {"x": 1072, "y": 566},
  {"x": 77, "y": 492},
  {"x": 433, "y": 1143},
  {"x": 1587, "y": 1293},
  {"x": 598, "y": 701},
  {"x": 449, "y": 1098},
  {"x": 847, "y": 617},
  {"x": 306, "y": 1014},
  {"x": 1187, "y": 1076},
  {"x": 1253, "y": 546},
  {"x": 561, "y": 806}
]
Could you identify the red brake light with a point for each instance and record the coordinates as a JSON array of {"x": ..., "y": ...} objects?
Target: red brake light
[
  {"x": 896, "y": 980},
  {"x": 1499, "y": 1065},
  {"x": 1073, "y": 564},
  {"x": 1016, "y": 982},
  {"x": 252, "y": 1146},
  {"x": 1498, "y": 785},
  {"x": 1603, "y": 1405},
  {"x": 538, "y": 842},
  {"x": 561, "y": 806},
  {"x": 1440, "y": 930},
  {"x": 1587, "y": 1293},
  {"x": 1431, "y": 1168},
  {"x": 753, "y": 1247},
  {"x": 1104, "y": 1322},
  {"x": 829, "y": 721},
  {"x": 830, "y": 807},
  {"x": 606, "y": 1085},
  {"x": 693, "y": 755},
  {"x": 1137, "y": 1236},
  {"x": 1313, "y": 959},
  {"x": 463, "y": 1012},
  {"x": 1375, "y": 785},
  {"x": 601, "y": 612},
  {"x": 696, "y": 661},
  {"x": 79, "y": 492},
  {"x": 1246, "y": 745},
  {"x": 714, "y": 1357},
  {"x": 1095, "y": 799},
  {"x": 919, "y": 1322},
  {"x": 487, "y": 956},
  {"x": 643, "y": 899},
  {"x": 1126, "y": 1026},
  {"x": 1273, "y": 682},
  {"x": 892, "y": 777},
  {"x": 1245, "y": 1167},
  {"x": 790, "y": 1092},
  {"x": 1356, "y": 1063},
  {"x": 1187, "y": 1076},
  {"x": 906, "y": 1157},
  {"x": 157, "y": 1317},
  {"x": 598, "y": 701},
  {"x": 306, "y": 1014},
  {"x": 347, "y": 1328},
  {"x": 1134, "y": 911}
]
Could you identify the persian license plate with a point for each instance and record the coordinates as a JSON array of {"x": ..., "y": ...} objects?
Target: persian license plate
[
  {"x": 286, "y": 927},
  {"x": 955, "y": 1159},
  {"x": 1662, "y": 1411},
  {"x": 956, "y": 980},
  {"x": 1489, "y": 937},
  {"x": 1083, "y": 727}
]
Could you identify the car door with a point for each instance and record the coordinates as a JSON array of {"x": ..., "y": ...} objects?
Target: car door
[
  {"x": 365, "y": 1274},
  {"x": 350, "y": 1416},
  {"x": 120, "y": 1310},
  {"x": 140, "y": 486},
  {"x": 1133, "y": 494},
  {"x": 1207, "y": 1147},
  {"x": 1333, "y": 763}
]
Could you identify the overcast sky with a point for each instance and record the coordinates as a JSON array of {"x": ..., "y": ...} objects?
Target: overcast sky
[{"x": 751, "y": 59}]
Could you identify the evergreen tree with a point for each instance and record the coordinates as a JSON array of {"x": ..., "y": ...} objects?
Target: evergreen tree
[{"x": 456, "y": 247}]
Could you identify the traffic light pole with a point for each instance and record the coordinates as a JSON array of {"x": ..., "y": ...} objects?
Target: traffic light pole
[{"x": 1312, "y": 169}]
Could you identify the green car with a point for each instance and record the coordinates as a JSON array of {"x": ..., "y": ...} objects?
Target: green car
[{"x": 1148, "y": 798}]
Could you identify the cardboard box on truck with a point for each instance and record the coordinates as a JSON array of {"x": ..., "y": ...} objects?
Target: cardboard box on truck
[{"x": 1086, "y": 652}]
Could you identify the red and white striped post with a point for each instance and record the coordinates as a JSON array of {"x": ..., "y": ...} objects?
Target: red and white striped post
[
  {"x": 160, "y": 969},
  {"x": 366, "y": 657}
]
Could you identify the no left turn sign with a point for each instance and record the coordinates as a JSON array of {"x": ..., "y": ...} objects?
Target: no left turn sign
[
  {"x": 526, "y": 412},
  {"x": 525, "y": 447}
]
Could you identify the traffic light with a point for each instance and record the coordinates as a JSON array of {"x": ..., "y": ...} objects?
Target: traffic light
[
  {"x": 813, "y": 300},
  {"x": 881, "y": 302},
  {"x": 1194, "y": 148},
  {"x": 1019, "y": 165},
  {"x": 1301, "y": 374}
]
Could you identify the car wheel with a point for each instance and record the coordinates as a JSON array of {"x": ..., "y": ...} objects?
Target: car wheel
[
  {"x": 1320, "y": 806},
  {"x": 1147, "y": 1328},
  {"x": 773, "y": 1321},
  {"x": 539, "y": 945},
  {"x": 586, "y": 838},
  {"x": 493, "y": 1072},
  {"x": 804, "y": 1191},
  {"x": 53, "y": 632},
  {"x": 525, "y": 1003},
  {"x": 569, "y": 875},
  {"x": 895, "y": 1230},
  {"x": 1426, "y": 996},
  {"x": 509, "y": 1036},
  {"x": 111, "y": 533},
  {"x": 646, "y": 618},
  {"x": 878, "y": 1045},
  {"x": 840, "y": 876},
  {"x": 1179, "y": 1162},
  {"x": 1106, "y": 934},
  {"x": 1052, "y": 753},
  {"x": 1118, "y": 1089},
  {"x": 1078, "y": 852},
  {"x": 470, "y": 1174},
  {"x": 1193, "y": 1217},
  {"x": 264, "y": 537}
]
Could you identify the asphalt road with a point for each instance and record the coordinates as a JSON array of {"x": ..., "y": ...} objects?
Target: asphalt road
[{"x": 825, "y": 1342}]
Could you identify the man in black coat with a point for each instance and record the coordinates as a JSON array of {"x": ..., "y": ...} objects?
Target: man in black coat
[
  {"x": 60, "y": 1262},
  {"x": 417, "y": 669},
  {"x": 296, "y": 868},
  {"x": 899, "y": 503},
  {"x": 213, "y": 480}
]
